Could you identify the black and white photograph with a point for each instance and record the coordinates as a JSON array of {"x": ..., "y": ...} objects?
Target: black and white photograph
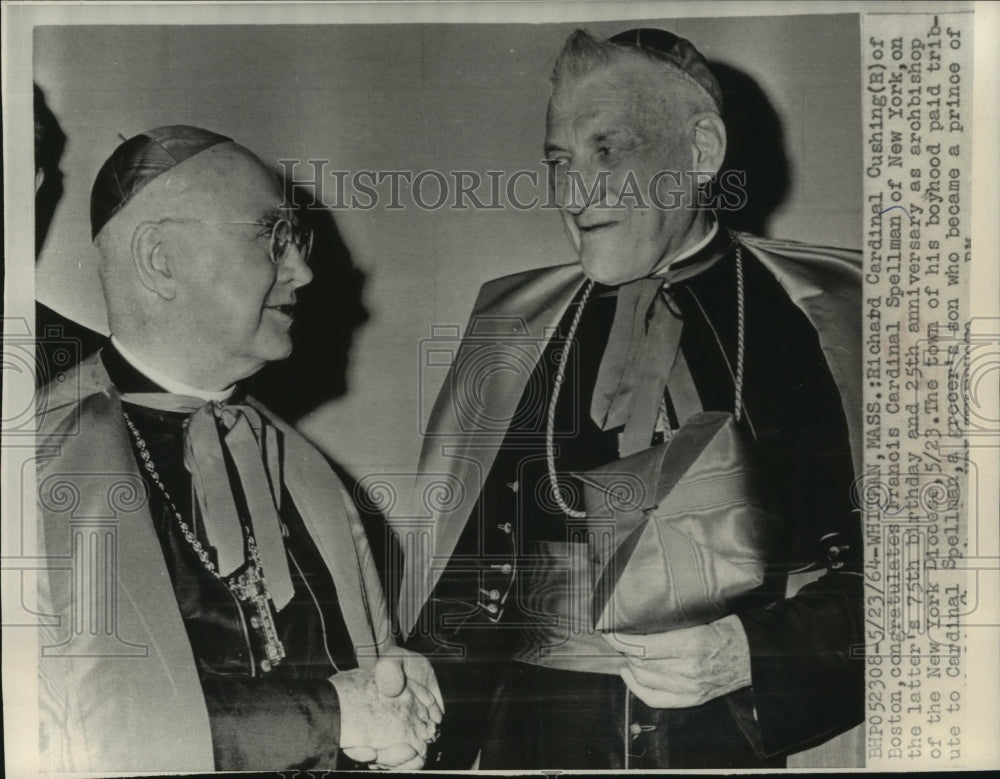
[{"x": 457, "y": 387}]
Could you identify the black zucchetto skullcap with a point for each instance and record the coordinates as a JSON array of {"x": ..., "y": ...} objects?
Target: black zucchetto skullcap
[
  {"x": 675, "y": 51},
  {"x": 138, "y": 161}
]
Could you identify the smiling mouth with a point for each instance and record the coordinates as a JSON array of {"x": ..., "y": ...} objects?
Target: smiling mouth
[
  {"x": 591, "y": 229},
  {"x": 287, "y": 309}
]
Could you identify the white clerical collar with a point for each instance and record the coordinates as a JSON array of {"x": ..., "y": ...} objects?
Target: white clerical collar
[
  {"x": 692, "y": 251},
  {"x": 171, "y": 385}
]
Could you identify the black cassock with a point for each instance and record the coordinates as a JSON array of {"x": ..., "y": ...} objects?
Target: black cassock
[
  {"x": 807, "y": 685},
  {"x": 261, "y": 717}
]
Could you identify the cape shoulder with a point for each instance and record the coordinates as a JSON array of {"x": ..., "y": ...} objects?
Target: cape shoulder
[
  {"x": 824, "y": 282},
  {"x": 526, "y": 294},
  {"x": 825, "y": 269},
  {"x": 58, "y": 403}
]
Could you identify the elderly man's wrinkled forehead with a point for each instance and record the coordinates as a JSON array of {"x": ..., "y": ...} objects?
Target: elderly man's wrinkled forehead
[{"x": 632, "y": 85}]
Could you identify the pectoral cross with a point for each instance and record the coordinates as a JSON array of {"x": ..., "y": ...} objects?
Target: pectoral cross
[{"x": 250, "y": 588}]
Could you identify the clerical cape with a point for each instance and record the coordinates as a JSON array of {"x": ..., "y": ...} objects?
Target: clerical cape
[
  {"x": 468, "y": 428},
  {"x": 118, "y": 685},
  {"x": 823, "y": 282}
]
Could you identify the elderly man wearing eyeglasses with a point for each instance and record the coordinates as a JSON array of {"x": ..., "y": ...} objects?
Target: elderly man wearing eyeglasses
[{"x": 240, "y": 622}]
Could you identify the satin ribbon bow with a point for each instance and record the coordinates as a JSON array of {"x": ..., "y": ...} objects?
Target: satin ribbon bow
[
  {"x": 643, "y": 352},
  {"x": 643, "y": 355},
  {"x": 254, "y": 449}
]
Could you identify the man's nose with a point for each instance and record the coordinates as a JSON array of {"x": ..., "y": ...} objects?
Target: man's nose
[
  {"x": 583, "y": 187},
  {"x": 294, "y": 270}
]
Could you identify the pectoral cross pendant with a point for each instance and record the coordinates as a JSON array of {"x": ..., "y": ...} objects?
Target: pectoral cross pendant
[{"x": 251, "y": 588}]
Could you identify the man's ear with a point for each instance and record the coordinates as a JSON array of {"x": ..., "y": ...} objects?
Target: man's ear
[
  {"x": 708, "y": 138},
  {"x": 151, "y": 260}
]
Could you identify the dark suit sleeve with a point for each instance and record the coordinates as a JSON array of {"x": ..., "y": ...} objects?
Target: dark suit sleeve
[
  {"x": 464, "y": 631},
  {"x": 469, "y": 654},
  {"x": 807, "y": 686},
  {"x": 807, "y": 665},
  {"x": 270, "y": 724}
]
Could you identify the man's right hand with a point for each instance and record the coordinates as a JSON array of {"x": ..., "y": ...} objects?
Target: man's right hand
[{"x": 374, "y": 726}]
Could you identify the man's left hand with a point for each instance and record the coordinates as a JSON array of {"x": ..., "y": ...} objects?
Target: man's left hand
[
  {"x": 412, "y": 670},
  {"x": 685, "y": 667},
  {"x": 400, "y": 669}
]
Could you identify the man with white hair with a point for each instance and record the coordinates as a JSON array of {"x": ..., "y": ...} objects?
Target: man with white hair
[
  {"x": 230, "y": 617},
  {"x": 697, "y": 386}
]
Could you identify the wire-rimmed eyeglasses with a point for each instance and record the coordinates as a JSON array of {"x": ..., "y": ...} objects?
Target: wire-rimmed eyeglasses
[{"x": 284, "y": 233}]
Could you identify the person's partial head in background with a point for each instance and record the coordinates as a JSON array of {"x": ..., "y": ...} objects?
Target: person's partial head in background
[{"x": 50, "y": 142}]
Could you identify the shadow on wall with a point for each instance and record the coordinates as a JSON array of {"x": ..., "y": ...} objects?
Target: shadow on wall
[
  {"x": 755, "y": 145},
  {"x": 330, "y": 310},
  {"x": 329, "y": 313}
]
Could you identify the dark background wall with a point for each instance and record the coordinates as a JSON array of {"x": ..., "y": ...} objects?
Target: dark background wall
[{"x": 417, "y": 97}]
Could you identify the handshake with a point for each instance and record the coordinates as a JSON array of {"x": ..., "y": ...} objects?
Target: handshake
[{"x": 390, "y": 714}]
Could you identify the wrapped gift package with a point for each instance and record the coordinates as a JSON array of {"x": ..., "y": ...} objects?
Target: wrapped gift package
[{"x": 679, "y": 532}]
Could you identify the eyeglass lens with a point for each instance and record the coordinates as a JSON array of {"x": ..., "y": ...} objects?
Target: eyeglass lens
[{"x": 282, "y": 236}]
